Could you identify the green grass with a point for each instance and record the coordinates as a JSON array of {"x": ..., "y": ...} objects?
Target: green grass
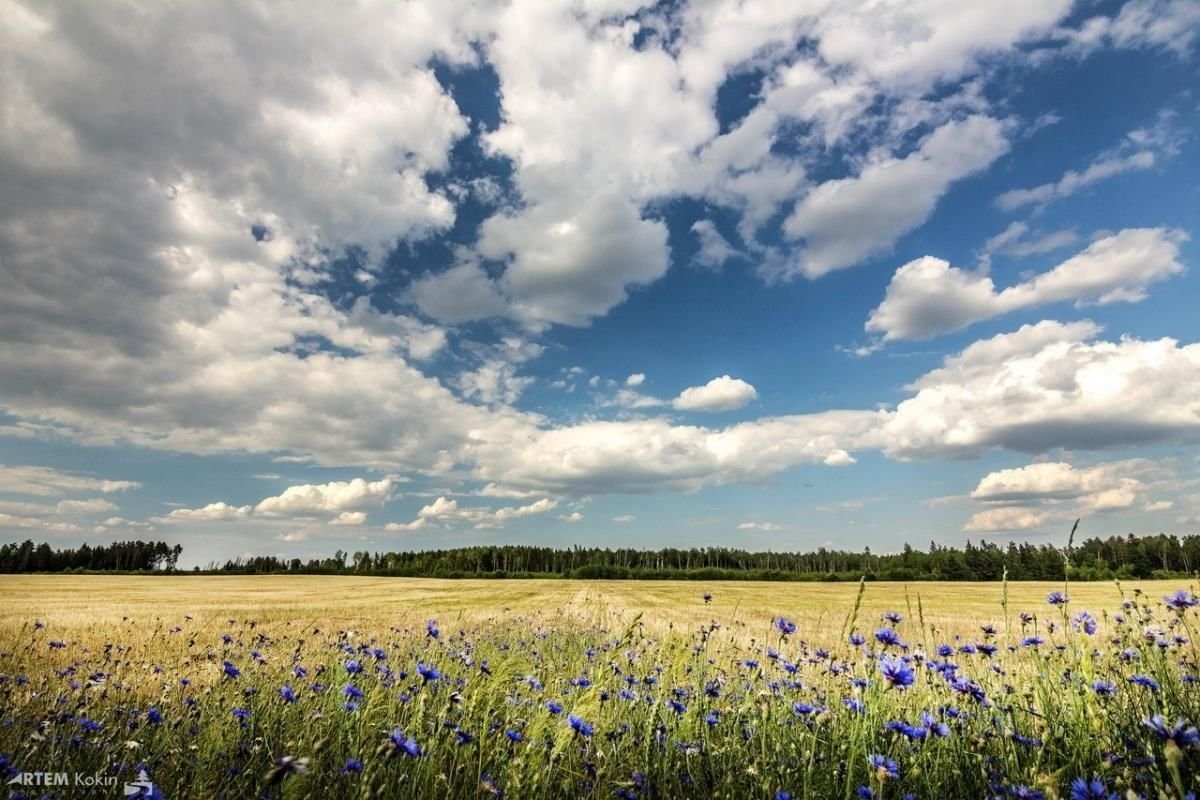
[{"x": 121, "y": 658}]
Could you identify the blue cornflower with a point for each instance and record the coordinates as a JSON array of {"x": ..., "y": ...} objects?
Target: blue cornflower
[
  {"x": 579, "y": 725},
  {"x": 1181, "y": 600},
  {"x": 352, "y": 692},
  {"x": 230, "y": 670},
  {"x": 464, "y": 737},
  {"x": 785, "y": 626},
  {"x": 1026, "y": 741},
  {"x": 288, "y": 695},
  {"x": 884, "y": 767},
  {"x": 242, "y": 715},
  {"x": 1032, "y": 641},
  {"x": 1022, "y": 792},
  {"x": 865, "y": 793},
  {"x": 857, "y": 639},
  {"x": 893, "y": 617},
  {"x": 431, "y": 629},
  {"x": 353, "y": 667},
  {"x": 1085, "y": 622},
  {"x": 1104, "y": 688},
  {"x": 896, "y": 672},
  {"x": 403, "y": 744},
  {"x": 677, "y": 707},
  {"x": 554, "y": 707},
  {"x": 1182, "y": 733},
  {"x": 153, "y": 716},
  {"x": 887, "y": 637},
  {"x": 934, "y": 725},
  {"x": 514, "y": 736},
  {"x": 428, "y": 672},
  {"x": 1057, "y": 599},
  {"x": 1094, "y": 789},
  {"x": 1146, "y": 681},
  {"x": 854, "y": 705},
  {"x": 712, "y": 718},
  {"x": 910, "y": 732},
  {"x": 352, "y": 765},
  {"x": 801, "y": 709},
  {"x": 89, "y": 724}
]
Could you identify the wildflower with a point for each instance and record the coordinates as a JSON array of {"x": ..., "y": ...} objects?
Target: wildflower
[
  {"x": 580, "y": 726},
  {"x": 1022, "y": 792},
  {"x": 712, "y": 718},
  {"x": 677, "y": 707},
  {"x": 1032, "y": 641},
  {"x": 1085, "y": 622},
  {"x": 896, "y": 672},
  {"x": 887, "y": 637},
  {"x": 352, "y": 692},
  {"x": 230, "y": 670},
  {"x": 865, "y": 793},
  {"x": 428, "y": 672},
  {"x": 400, "y": 743},
  {"x": 910, "y": 732},
  {"x": 883, "y": 766},
  {"x": 288, "y": 695},
  {"x": 1057, "y": 599},
  {"x": 285, "y": 766},
  {"x": 1145, "y": 681},
  {"x": 1182, "y": 733},
  {"x": 431, "y": 630},
  {"x": 857, "y": 639},
  {"x": 514, "y": 736},
  {"x": 353, "y": 667},
  {"x": 802, "y": 709},
  {"x": 785, "y": 626},
  {"x": 1094, "y": 789},
  {"x": 153, "y": 716},
  {"x": 242, "y": 715},
  {"x": 1104, "y": 688},
  {"x": 89, "y": 725},
  {"x": 1026, "y": 741},
  {"x": 854, "y": 705},
  {"x": 893, "y": 617},
  {"x": 352, "y": 766},
  {"x": 1181, "y": 600},
  {"x": 464, "y": 737}
]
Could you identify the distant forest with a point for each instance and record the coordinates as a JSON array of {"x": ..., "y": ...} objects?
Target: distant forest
[{"x": 1160, "y": 556}]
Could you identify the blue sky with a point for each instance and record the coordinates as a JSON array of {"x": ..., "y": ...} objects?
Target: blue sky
[{"x": 771, "y": 275}]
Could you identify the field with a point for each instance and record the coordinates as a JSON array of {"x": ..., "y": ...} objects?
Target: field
[{"x": 239, "y": 687}]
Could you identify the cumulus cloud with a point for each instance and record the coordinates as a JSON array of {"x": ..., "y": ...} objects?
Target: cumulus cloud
[
  {"x": 47, "y": 481},
  {"x": 213, "y": 512},
  {"x": 1034, "y": 495},
  {"x": 1045, "y": 386},
  {"x": 927, "y": 297},
  {"x": 635, "y": 380},
  {"x": 573, "y": 517},
  {"x": 447, "y": 511},
  {"x": 327, "y": 498},
  {"x": 719, "y": 394},
  {"x": 844, "y": 221},
  {"x": 715, "y": 249},
  {"x": 759, "y": 526}
]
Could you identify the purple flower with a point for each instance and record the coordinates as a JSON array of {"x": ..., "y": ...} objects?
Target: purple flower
[
  {"x": 428, "y": 672},
  {"x": 352, "y": 692},
  {"x": 896, "y": 672},
  {"x": 1094, "y": 789},
  {"x": 554, "y": 707},
  {"x": 1182, "y": 733},
  {"x": 883, "y": 766},
  {"x": 1104, "y": 688},
  {"x": 785, "y": 626},
  {"x": 353, "y": 667},
  {"x": 230, "y": 670},
  {"x": 887, "y": 637},
  {"x": 579, "y": 725},
  {"x": 1181, "y": 600},
  {"x": 153, "y": 716},
  {"x": 352, "y": 766},
  {"x": 1057, "y": 599},
  {"x": 403, "y": 744},
  {"x": 857, "y": 639},
  {"x": 288, "y": 695},
  {"x": 514, "y": 736},
  {"x": 431, "y": 629},
  {"x": 893, "y": 617},
  {"x": 1145, "y": 681}
]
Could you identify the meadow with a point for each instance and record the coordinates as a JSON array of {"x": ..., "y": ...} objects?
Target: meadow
[{"x": 322, "y": 686}]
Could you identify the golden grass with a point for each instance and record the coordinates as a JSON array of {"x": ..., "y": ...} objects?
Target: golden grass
[{"x": 77, "y": 604}]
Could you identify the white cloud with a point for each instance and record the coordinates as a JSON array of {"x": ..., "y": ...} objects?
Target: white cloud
[
  {"x": 635, "y": 380},
  {"x": 349, "y": 518},
  {"x": 327, "y": 498},
  {"x": 47, "y": 481},
  {"x": 624, "y": 518},
  {"x": 928, "y": 297},
  {"x": 715, "y": 249},
  {"x": 1053, "y": 492},
  {"x": 573, "y": 517},
  {"x": 213, "y": 512},
  {"x": 1142, "y": 149},
  {"x": 719, "y": 394},
  {"x": 759, "y": 526},
  {"x": 94, "y": 505},
  {"x": 1049, "y": 385},
  {"x": 844, "y": 221},
  {"x": 1166, "y": 24},
  {"x": 447, "y": 511}
]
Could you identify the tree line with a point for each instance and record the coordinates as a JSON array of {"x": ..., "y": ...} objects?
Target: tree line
[
  {"x": 1129, "y": 556},
  {"x": 134, "y": 556}
]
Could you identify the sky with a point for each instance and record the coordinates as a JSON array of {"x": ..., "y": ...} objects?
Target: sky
[{"x": 778, "y": 275}]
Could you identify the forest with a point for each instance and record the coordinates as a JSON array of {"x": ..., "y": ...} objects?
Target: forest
[{"x": 1159, "y": 556}]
